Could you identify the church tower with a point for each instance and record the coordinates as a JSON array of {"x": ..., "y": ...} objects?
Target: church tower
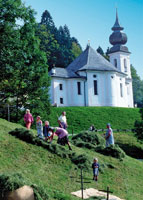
[
  {"x": 119, "y": 54},
  {"x": 120, "y": 57}
]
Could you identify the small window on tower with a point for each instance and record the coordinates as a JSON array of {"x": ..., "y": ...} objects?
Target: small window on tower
[
  {"x": 121, "y": 90},
  {"x": 61, "y": 101},
  {"x": 125, "y": 65},
  {"x": 61, "y": 86},
  {"x": 115, "y": 63}
]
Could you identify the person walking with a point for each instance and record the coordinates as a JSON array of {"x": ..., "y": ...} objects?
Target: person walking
[
  {"x": 109, "y": 136},
  {"x": 28, "y": 119},
  {"x": 62, "y": 120}
]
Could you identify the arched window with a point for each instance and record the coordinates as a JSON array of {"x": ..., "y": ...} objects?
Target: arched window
[
  {"x": 125, "y": 65},
  {"x": 115, "y": 63}
]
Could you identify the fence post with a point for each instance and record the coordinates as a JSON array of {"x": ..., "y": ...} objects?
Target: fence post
[{"x": 8, "y": 111}]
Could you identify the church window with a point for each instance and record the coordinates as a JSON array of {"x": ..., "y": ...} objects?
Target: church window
[
  {"x": 61, "y": 101},
  {"x": 128, "y": 92},
  {"x": 121, "y": 89},
  {"x": 95, "y": 87},
  {"x": 125, "y": 65},
  {"x": 61, "y": 86},
  {"x": 115, "y": 63},
  {"x": 79, "y": 88},
  {"x": 94, "y": 76}
]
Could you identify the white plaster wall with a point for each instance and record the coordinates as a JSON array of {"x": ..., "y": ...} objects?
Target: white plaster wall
[
  {"x": 103, "y": 98},
  {"x": 57, "y": 93},
  {"x": 73, "y": 98},
  {"x": 120, "y": 56}
]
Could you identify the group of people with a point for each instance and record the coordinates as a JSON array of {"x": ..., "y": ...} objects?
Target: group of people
[{"x": 47, "y": 132}]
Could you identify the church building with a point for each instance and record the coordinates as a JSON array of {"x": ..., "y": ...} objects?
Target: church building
[{"x": 91, "y": 80}]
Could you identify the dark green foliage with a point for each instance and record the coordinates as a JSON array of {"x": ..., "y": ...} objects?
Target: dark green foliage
[
  {"x": 137, "y": 87},
  {"x": 61, "y": 49},
  {"x": 14, "y": 181},
  {"x": 24, "y": 80},
  {"x": 113, "y": 150},
  {"x": 139, "y": 129},
  {"x": 100, "y": 51}
]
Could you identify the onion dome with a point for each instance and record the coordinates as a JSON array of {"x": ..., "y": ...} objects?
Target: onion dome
[{"x": 118, "y": 38}]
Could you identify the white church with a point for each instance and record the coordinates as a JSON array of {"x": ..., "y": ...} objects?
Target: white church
[{"x": 91, "y": 80}]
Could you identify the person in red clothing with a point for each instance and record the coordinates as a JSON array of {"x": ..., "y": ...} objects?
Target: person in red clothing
[{"x": 28, "y": 119}]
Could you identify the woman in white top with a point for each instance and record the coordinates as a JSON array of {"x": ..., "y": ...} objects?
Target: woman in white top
[{"x": 62, "y": 120}]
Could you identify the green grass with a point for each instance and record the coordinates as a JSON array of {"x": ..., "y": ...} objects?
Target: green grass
[
  {"x": 81, "y": 118},
  {"x": 53, "y": 173}
]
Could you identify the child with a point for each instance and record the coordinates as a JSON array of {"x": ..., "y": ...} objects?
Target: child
[
  {"x": 39, "y": 127},
  {"x": 46, "y": 131},
  {"x": 95, "y": 167}
]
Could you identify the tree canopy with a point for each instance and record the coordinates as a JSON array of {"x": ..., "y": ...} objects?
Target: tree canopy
[
  {"x": 137, "y": 87},
  {"x": 63, "y": 49},
  {"x": 24, "y": 77}
]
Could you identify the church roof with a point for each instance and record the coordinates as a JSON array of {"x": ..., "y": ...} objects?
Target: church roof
[
  {"x": 90, "y": 60},
  {"x": 87, "y": 60}
]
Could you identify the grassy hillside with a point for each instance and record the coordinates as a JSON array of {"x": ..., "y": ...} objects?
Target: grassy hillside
[
  {"x": 53, "y": 173},
  {"x": 81, "y": 118}
]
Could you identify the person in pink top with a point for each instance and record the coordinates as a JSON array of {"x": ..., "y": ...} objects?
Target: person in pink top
[
  {"x": 62, "y": 136},
  {"x": 28, "y": 119}
]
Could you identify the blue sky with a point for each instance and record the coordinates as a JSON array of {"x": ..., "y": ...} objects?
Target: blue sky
[{"x": 93, "y": 19}]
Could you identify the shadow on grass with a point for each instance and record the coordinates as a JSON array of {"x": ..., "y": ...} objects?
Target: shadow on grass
[{"x": 132, "y": 151}]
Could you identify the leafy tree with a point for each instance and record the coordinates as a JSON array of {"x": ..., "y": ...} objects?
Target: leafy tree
[
  {"x": 57, "y": 43},
  {"x": 139, "y": 127},
  {"x": 24, "y": 73},
  {"x": 48, "y": 44},
  {"x": 100, "y": 50},
  {"x": 76, "y": 50},
  {"x": 137, "y": 87}
]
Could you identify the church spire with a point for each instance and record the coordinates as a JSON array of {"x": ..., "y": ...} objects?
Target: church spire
[
  {"x": 118, "y": 38},
  {"x": 117, "y": 24}
]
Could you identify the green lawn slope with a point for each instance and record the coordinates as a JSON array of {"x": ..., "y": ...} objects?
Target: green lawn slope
[
  {"x": 53, "y": 173},
  {"x": 81, "y": 118}
]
